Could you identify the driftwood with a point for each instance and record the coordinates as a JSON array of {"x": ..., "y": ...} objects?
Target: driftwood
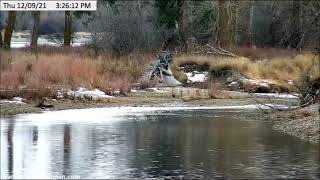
[
  {"x": 309, "y": 89},
  {"x": 160, "y": 70},
  {"x": 210, "y": 49}
]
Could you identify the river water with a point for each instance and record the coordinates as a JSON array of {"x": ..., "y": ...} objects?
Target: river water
[{"x": 160, "y": 143}]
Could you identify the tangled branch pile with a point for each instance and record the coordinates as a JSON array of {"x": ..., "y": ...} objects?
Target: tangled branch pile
[{"x": 160, "y": 70}]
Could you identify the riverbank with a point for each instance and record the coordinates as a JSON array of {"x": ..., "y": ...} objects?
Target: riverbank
[
  {"x": 303, "y": 123},
  {"x": 183, "y": 96}
]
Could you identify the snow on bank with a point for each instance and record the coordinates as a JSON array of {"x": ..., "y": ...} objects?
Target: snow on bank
[
  {"x": 277, "y": 95},
  {"x": 85, "y": 93},
  {"x": 238, "y": 82},
  {"x": 15, "y": 100},
  {"x": 154, "y": 89},
  {"x": 196, "y": 76},
  {"x": 157, "y": 90}
]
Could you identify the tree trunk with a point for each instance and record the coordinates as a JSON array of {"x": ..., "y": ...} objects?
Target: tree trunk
[
  {"x": 67, "y": 28},
  {"x": 251, "y": 3},
  {"x": 1, "y": 42},
  {"x": 226, "y": 33},
  {"x": 35, "y": 30},
  {"x": 9, "y": 28},
  {"x": 296, "y": 24},
  {"x": 233, "y": 22},
  {"x": 247, "y": 7},
  {"x": 185, "y": 23}
]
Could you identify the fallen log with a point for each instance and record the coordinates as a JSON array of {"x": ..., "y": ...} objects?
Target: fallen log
[{"x": 219, "y": 51}]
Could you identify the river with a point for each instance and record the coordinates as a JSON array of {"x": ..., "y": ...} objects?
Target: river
[{"x": 160, "y": 143}]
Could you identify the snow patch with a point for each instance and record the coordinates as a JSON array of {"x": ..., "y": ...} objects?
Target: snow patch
[
  {"x": 290, "y": 82},
  {"x": 265, "y": 83},
  {"x": 85, "y": 93},
  {"x": 278, "y": 95},
  {"x": 15, "y": 100},
  {"x": 196, "y": 76}
]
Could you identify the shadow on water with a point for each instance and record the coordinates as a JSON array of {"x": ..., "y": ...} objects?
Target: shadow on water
[{"x": 172, "y": 144}]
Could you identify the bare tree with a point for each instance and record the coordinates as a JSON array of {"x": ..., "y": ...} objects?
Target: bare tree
[
  {"x": 226, "y": 31},
  {"x": 67, "y": 28},
  {"x": 247, "y": 6},
  {"x": 1, "y": 41},
  {"x": 35, "y": 30},
  {"x": 185, "y": 23},
  {"x": 9, "y": 28},
  {"x": 124, "y": 27}
]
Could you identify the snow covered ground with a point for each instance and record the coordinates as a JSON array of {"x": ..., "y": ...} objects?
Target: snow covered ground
[
  {"x": 278, "y": 95},
  {"x": 196, "y": 76},
  {"x": 85, "y": 93},
  {"x": 15, "y": 100},
  {"x": 21, "y": 41}
]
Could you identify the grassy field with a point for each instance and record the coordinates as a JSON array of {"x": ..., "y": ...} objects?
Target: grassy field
[{"x": 57, "y": 68}]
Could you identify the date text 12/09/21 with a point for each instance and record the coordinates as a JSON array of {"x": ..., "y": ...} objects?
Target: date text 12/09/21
[{"x": 48, "y": 5}]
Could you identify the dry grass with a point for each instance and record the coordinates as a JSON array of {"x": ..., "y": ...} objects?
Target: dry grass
[
  {"x": 179, "y": 74},
  {"x": 56, "y": 68},
  {"x": 215, "y": 90},
  {"x": 265, "y": 53},
  {"x": 279, "y": 70},
  {"x": 69, "y": 69}
]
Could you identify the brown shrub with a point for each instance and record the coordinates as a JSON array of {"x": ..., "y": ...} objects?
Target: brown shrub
[
  {"x": 9, "y": 79},
  {"x": 68, "y": 69},
  {"x": 144, "y": 83},
  {"x": 179, "y": 74},
  {"x": 265, "y": 53},
  {"x": 215, "y": 90}
]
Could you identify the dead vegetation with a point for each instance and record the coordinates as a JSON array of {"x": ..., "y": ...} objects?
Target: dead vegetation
[
  {"x": 50, "y": 68},
  {"x": 21, "y": 70},
  {"x": 215, "y": 90},
  {"x": 282, "y": 71}
]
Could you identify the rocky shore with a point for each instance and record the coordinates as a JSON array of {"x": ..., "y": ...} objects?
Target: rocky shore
[{"x": 303, "y": 123}]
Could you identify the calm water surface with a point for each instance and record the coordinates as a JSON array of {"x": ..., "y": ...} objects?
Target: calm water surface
[{"x": 155, "y": 143}]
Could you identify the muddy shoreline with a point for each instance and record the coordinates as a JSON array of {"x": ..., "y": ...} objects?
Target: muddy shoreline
[{"x": 162, "y": 97}]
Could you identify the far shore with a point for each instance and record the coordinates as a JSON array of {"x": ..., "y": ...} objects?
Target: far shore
[{"x": 151, "y": 97}]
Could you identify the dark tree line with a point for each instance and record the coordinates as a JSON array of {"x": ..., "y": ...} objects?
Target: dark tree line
[{"x": 227, "y": 23}]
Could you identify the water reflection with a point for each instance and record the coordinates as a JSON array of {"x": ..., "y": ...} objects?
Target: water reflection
[
  {"x": 183, "y": 144},
  {"x": 66, "y": 150},
  {"x": 34, "y": 135},
  {"x": 10, "y": 147}
]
